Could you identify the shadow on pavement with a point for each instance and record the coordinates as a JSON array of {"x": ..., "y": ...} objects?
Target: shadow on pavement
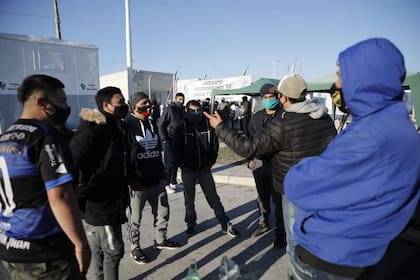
[
  {"x": 227, "y": 166},
  {"x": 248, "y": 209}
]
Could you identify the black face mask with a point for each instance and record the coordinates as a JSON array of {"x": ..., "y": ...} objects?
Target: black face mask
[
  {"x": 121, "y": 111},
  {"x": 179, "y": 104},
  {"x": 338, "y": 99},
  {"x": 194, "y": 117},
  {"x": 145, "y": 111},
  {"x": 60, "y": 115}
]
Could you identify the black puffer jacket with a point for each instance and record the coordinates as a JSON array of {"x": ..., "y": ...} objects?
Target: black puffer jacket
[
  {"x": 99, "y": 153},
  {"x": 292, "y": 137},
  {"x": 259, "y": 120}
]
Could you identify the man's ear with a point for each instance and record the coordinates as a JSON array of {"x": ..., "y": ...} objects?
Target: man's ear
[
  {"x": 47, "y": 106},
  {"x": 104, "y": 105},
  {"x": 42, "y": 102}
]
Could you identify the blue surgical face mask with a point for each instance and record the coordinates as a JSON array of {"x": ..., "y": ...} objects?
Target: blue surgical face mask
[{"x": 269, "y": 103}]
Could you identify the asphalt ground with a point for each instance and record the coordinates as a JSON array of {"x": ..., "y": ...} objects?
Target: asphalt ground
[{"x": 255, "y": 257}]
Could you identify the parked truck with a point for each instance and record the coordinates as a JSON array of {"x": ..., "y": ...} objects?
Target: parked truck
[{"x": 75, "y": 64}]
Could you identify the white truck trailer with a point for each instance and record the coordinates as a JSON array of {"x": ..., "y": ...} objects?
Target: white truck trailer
[{"x": 75, "y": 64}]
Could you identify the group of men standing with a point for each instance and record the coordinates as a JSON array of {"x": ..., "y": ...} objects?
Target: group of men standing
[
  {"x": 342, "y": 200},
  {"x": 350, "y": 201},
  {"x": 104, "y": 172}
]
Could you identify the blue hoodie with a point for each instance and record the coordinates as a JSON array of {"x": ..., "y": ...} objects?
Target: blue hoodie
[{"x": 360, "y": 193}]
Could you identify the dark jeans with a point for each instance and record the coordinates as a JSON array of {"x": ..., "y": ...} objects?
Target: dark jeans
[
  {"x": 263, "y": 177},
  {"x": 244, "y": 125},
  {"x": 401, "y": 261},
  {"x": 205, "y": 178},
  {"x": 169, "y": 161},
  {"x": 264, "y": 183},
  {"x": 298, "y": 270}
]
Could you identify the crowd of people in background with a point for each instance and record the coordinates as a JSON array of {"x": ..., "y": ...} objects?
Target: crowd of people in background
[{"x": 346, "y": 204}]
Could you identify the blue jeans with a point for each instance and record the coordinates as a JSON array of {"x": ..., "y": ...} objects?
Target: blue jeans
[
  {"x": 107, "y": 250},
  {"x": 299, "y": 270},
  {"x": 289, "y": 216}
]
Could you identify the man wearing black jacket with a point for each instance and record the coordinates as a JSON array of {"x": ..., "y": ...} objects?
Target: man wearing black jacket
[
  {"x": 99, "y": 152},
  {"x": 196, "y": 147},
  {"x": 146, "y": 175},
  {"x": 167, "y": 123},
  {"x": 304, "y": 130},
  {"x": 262, "y": 169}
]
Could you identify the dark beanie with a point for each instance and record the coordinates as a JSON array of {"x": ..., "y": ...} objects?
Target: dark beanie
[
  {"x": 136, "y": 97},
  {"x": 265, "y": 89}
]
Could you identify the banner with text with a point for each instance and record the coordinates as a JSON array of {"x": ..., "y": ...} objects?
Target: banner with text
[{"x": 201, "y": 89}]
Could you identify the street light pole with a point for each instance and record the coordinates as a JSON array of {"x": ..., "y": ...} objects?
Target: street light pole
[
  {"x": 57, "y": 20},
  {"x": 150, "y": 79},
  {"x": 128, "y": 49}
]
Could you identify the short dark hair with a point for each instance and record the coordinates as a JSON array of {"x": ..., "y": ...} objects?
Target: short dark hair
[
  {"x": 37, "y": 82},
  {"x": 194, "y": 103},
  {"x": 302, "y": 98},
  {"x": 136, "y": 97},
  {"x": 105, "y": 95},
  {"x": 179, "y": 94}
]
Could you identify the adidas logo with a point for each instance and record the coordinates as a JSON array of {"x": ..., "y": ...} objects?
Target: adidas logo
[
  {"x": 149, "y": 142},
  {"x": 61, "y": 169}
]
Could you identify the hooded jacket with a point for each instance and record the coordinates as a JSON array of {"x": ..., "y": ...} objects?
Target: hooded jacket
[
  {"x": 145, "y": 158},
  {"x": 99, "y": 153},
  {"x": 303, "y": 130},
  {"x": 169, "y": 120},
  {"x": 194, "y": 144},
  {"x": 360, "y": 193}
]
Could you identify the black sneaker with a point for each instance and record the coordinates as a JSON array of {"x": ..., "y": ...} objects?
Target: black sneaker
[
  {"x": 231, "y": 230},
  {"x": 259, "y": 230},
  {"x": 190, "y": 231},
  {"x": 280, "y": 241},
  {"x": 138, "y": 256},
  {"x": 167, "y": 244}
]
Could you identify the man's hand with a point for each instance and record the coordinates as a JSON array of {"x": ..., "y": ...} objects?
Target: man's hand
[
  {"x": 66, "y": 211},
  {"x": 214, "y": 119},
  {"x": 83, "y": 256}
]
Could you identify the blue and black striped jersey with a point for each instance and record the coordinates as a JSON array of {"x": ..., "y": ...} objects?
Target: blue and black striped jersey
[{"x": 32, "y": 161}]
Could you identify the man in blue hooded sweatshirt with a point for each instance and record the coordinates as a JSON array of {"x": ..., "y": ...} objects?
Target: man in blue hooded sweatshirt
[{"x": 360, "y": 193}]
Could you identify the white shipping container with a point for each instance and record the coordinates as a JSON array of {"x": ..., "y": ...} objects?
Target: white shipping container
[{"x": 75, "y": 64}]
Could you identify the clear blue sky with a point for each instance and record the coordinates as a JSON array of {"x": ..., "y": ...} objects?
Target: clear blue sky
[{"x": 222, "y": 37}]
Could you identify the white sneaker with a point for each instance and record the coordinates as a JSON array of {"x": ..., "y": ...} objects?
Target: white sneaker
[{"x": 169, "y": 189}]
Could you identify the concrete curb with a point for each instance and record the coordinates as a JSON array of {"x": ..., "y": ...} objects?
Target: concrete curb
[{"x": 234, "y": 180}]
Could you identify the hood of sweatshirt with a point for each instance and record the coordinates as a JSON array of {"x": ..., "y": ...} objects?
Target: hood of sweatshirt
[
  {"x": 315, "y": 110},
  {"x": 371, "y": 83}
]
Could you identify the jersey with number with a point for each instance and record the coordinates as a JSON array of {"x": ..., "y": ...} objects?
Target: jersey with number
[{"x": 32, "y": 161}]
